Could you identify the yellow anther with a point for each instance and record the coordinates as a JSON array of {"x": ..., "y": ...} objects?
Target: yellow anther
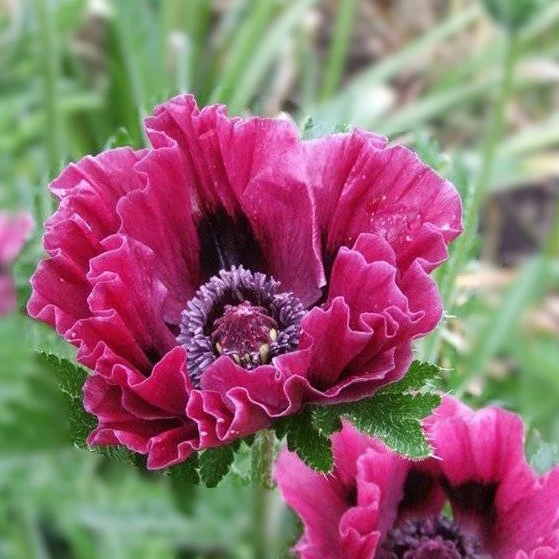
[
  {"x": 264, "y": 350},
  {"x": 218, "y": 347},
  {"x": 236, "y": 358},
  {"x": 273, "y": 334}
]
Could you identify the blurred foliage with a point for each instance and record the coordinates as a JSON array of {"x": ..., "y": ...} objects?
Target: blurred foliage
[
  {"x": 77, "y": 77},
  {"x": 514, "y": 14}
]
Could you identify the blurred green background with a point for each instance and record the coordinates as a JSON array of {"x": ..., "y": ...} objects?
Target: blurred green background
[{"x": 477, "y": 97}]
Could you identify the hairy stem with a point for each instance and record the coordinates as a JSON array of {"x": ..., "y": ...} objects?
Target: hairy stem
[{"x": 263, "y": 453}]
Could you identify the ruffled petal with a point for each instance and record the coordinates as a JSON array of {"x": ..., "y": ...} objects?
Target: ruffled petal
[
  {"x": 94, "y": 186},
  {"x": 349, "y": 512},
  {"x": 483, "y": 464},
  {"x": 126, "y": 305},
  {"x": 253, "y": 168},
  {"x": 223, "y": 418},
  {"x": 89, "y": 192},
  {"x": 160, "y": 217},
  {"x": 264, "y": 385},
  {"x": 147, "y": 416},
  {"x": 331, "y": 342},
  {"x": 331, "y": 161},
  {"x": 532, "y": 523},
  {"x": 180, "y": 123},
  {"x": 282, "y": 214},
  {"x": 373, "y": 312},
  {"x": 395, "y": 194},
  {"x": 318, "y": 504}
]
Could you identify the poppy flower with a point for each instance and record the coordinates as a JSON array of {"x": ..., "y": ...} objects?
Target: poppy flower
[
  {"x": 377, "y": 504},
  {"x": 14, "y": 230},
  {"x": 232, "y": 272}
]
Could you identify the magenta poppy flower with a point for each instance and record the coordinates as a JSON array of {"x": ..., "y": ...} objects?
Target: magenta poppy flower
[
  {"x": 232, "y": 273},
  {"x": 377, "y": 504},
  {"x": 14, "y": 230}
]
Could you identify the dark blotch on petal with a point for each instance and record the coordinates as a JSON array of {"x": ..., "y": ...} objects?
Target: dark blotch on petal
[
  {"x": 227, "y": 242},
  {"x": 153, "y": 355},
  {"x": 473, "y": 497},
  {"x": 417, "y": 488},
  {"x": 351, "y": 495}
]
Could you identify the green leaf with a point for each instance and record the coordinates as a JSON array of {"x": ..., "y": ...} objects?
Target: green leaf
[
  {"x": 119, "y": 139},
  {"x": 421, "y": 377},
  {"x": 118, "y": 453},
  {"x": 543, "y": 456},
  {"x": 185, "y": 471},
  {"x": 430, "y": 152},
  {"x": 312, "y": 445},
  {"x": 71, "y": 378},
  {"x": 393, "y": 414},
  {"x": 215, "y": 463},
  {"x": 325, "y": 421},
  {"x": 395, "y": 418},
  {"x": 312, "y": 130}
]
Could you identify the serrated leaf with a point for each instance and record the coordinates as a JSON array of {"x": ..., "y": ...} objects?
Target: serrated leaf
[
  {"x": 120, "y": 454},
  {"x": 312, "y": 446},
  {"x": 396, "y": 420},
  {"x": 312, "y": 130},
  {"x": 214, "y": 464},
  {"x": 393, "y": 414},
  {"x": 186, "y": 471},
  {"x": 70, "y": 376},
  {"x": 325, "y": 421},
  {"x": 419, "y": 378}
]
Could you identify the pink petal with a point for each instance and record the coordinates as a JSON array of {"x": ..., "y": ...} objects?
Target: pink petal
[
  {"x": 160, "y": 217},
  {"x": 127, "y": 292},
  {"x": 89, "y": 192},
  {"x": 396, "y": 196},
  {"x": 254, "y": 167},
  {"x": 330, "y": 162},
  {"x": 264, "y": 385},
  {"x": 483, "y": 460},
  {"x": 317, "y": 503},
  {"x": 332, "y": 344},
  {"x": 532, "y": 523},
  {"x": 14, "y": 231},
  {"x": 147, "y": 416}
]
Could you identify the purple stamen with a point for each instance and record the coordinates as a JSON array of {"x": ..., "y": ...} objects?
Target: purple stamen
[{"x": 242, "y": 315}]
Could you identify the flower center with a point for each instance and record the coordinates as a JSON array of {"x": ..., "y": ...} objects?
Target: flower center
[
  {"x": 242, "y": 315},
  {"x": 244, "y": 330},
  {"x": 430, "y": 538}
]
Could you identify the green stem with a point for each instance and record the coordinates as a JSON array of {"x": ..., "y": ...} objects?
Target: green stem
[
  {"x": 263, "y": 453},
  {"x": 260, "y": 524},
  {"x": 478, "y": 191},
  {"x": 338, "y": 49},
  {"x": 50, "y": 70}
]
